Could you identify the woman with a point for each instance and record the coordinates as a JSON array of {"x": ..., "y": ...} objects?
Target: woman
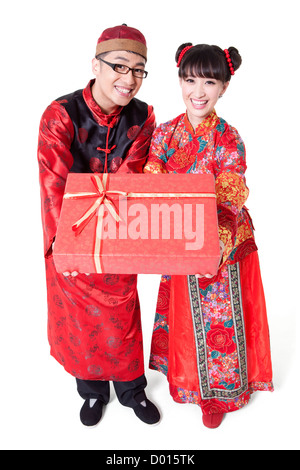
[{"x": 211, "y": 335}]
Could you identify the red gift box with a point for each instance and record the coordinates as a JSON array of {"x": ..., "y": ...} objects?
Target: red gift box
[{"x": 138, "y": 224}]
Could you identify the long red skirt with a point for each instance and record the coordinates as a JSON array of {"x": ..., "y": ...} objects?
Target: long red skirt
[{"x": 211, "y": 339}]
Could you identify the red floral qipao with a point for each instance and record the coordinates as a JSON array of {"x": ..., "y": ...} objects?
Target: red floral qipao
[
  {"x": 94, "y": 326},
  {"x": 211, "y": 336}
]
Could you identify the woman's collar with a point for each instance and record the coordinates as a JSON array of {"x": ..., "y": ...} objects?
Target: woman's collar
[{"x": 209, "y": 123}]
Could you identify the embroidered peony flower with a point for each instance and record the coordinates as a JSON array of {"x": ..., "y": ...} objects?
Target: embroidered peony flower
[
  {"x": 213, "y": 406},
  {"x": 184, "y": 156},
  {"x": 244, "y": 249},
  {"x": 220, "y": 339},
  {"x": 160, "y": 342},
  {"x": 229, "y": 142},
  {"x": 163, "y": 298}
]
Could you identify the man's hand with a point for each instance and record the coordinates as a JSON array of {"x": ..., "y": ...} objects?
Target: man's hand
[{"x": 73, "y": 274}]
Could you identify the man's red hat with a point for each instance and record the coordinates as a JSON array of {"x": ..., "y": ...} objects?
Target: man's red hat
[{"x": 122, "y": 38}]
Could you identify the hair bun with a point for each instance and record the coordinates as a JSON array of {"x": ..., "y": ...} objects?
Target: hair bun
[
  {"x": 180, "y": 49},
  {"x": 235, "y": 57}
]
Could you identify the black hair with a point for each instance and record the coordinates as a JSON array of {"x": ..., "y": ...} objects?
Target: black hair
[{"x": 207, "y": 61}]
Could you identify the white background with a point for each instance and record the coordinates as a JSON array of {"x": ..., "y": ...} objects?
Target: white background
[{"x": 46, "y": 51}]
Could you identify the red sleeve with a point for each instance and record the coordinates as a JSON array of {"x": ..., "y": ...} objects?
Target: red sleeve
[
  {"x": 138, "y": 152},
  {"x": 231, "y": 188},
  {"x": 55, "y": 160}
]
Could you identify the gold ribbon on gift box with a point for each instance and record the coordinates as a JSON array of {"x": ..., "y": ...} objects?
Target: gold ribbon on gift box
[{"x": 103, "y": 195}]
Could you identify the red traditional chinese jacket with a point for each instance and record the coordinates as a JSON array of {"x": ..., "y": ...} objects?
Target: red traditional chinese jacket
[
  {"x": 94, "y": 325},
  {"x": 211, "y": 336}
]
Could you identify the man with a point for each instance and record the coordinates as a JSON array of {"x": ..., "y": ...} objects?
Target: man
[{"x": 94, "y": 326}]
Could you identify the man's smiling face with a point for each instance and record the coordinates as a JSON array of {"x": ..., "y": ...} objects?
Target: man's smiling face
[{"x": 112, "y": 89}]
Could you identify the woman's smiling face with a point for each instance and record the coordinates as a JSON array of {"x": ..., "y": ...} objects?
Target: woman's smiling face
[{"x": 200, "y": 96}]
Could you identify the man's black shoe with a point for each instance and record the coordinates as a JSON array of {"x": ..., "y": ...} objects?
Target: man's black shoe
[
  {"x": 147, "y": 412},
  {"x": 91, "y": 415}
]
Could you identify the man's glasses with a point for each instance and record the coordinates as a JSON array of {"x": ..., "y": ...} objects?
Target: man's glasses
[{"x": 119, "y": 68}]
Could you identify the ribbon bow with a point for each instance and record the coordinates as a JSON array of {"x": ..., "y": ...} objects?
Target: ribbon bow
[{"x": 103, "y": 200}]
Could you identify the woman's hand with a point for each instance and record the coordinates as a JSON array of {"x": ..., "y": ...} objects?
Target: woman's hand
[{"x": 208, "y": 275}]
